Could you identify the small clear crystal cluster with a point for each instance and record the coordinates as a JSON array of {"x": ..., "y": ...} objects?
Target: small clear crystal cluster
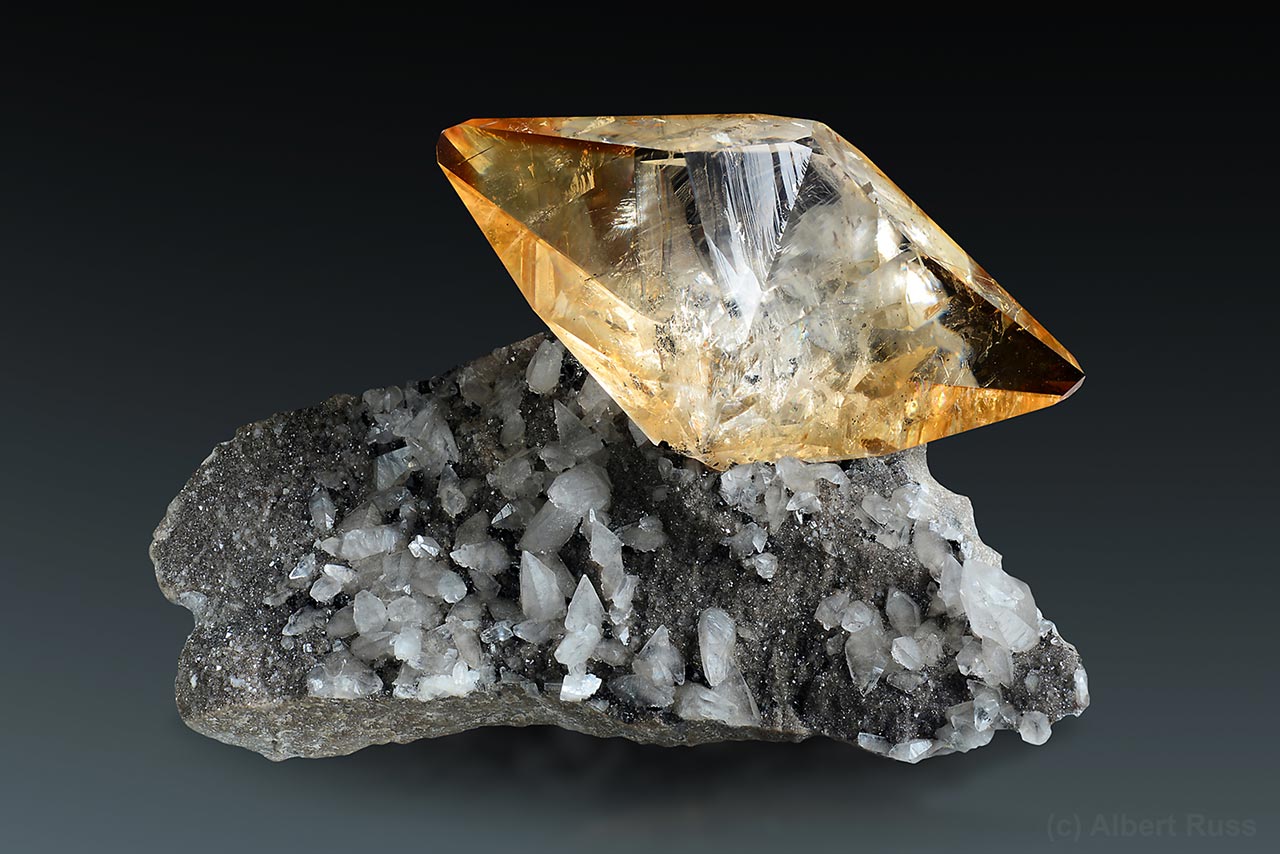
[
  {"x": 976, "y": 617},
  {"x": 395, "y": 602}
]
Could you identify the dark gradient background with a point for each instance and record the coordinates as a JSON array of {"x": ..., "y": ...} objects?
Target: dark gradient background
[{"x": 205, "y": 222}]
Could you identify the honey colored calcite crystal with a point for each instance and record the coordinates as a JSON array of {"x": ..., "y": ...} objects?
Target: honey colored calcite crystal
[{"x": 751, "y": 287}]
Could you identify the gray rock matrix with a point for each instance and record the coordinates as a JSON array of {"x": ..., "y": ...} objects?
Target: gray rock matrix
[{"x": 502, "y": 546}]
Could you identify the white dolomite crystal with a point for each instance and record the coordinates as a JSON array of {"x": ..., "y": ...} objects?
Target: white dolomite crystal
[
  {"x": 1034, "y": 727},
  {"x": 659, "y": 660},
  {"x": 999, "y": 606},
  {"x": 730, "y": 702},
  {"x": 577, "y": 687},
  {"x": 717, "y": 636},
  {"x": 540, "y": 595},
  {"x": 580, "y": 490},
  {"x": 586, "y": 611},
  {"x": 543, "y": 373}
]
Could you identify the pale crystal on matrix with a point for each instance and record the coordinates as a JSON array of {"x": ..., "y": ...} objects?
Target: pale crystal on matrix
[
  {"x": 550, "y": 528},
  {"x": 580, "y": 490},
  {"x": 585, "y": 608},
  {"x": 303, "y": 620},
  {"x": 606, "y": 553},
  {"x": 1080, "y": 680},
  {"x": 341, "y": 623},
  {"x": 450, "y": 494},
  {"x": 459, "y": 681},
  {"x": 332, "y": 579},
  {"x": 858, "y": 615},
  {"x": 765, "y": 564},
  {"x": 304, "y": 570},
  {"x": 392, "y": 468},
  {"x": 582, "y": 625},
  {"x": 495, "y": 547},
  {"x": 907, "y": 653},
  {"x": 424, "y": 546},
  {"x": 645, "y": 535},
  {"x": 986, "y": 706},
  {"x": 730, "y": 702},
  {"x": 903, "y": 612},
  {"x": 866, "y": 649},
  {"x": 578, "y": 686},
  {"x": 323, "y": 512},
  {"x": 717, "y": 636},
  {"x": 1000, "y": 607},
  {"x": 543, "y": 374},
  {"x": 361, "y": 543},
  {"x": 485, "y": 556},
  {"x": 1034, "y": 727},
  {"x": 641, "y": 693},
  {"x": 576, "y": 647},
  {"x": 831, "y": 609},
  {"x": 341, "y": 677},
  {"x": 659, "y": 661},
  {"x": 450, "y": 586},
  {"x": 749, "y": 287},
  {"x": 540, "y": 594},
  {"x": 369, "y": 612},
  {"x": 911, "y": 751}
]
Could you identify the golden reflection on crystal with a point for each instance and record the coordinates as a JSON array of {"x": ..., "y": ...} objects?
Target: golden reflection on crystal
[{"x": 750, "y": 287}]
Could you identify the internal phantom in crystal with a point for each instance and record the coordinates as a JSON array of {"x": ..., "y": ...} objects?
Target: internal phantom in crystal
[{"x": 751, "y": 287}]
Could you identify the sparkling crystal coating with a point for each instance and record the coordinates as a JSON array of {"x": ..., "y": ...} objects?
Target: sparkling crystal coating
[{"x": 750, "y": 287}]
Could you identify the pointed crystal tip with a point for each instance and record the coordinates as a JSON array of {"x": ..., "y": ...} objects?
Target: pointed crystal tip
[{"x": 750, "y": 287}]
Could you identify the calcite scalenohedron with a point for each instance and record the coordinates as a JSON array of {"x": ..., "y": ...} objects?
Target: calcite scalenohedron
[{"x": 751, "y": 287}]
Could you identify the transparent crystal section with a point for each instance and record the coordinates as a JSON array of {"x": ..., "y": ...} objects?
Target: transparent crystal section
[{"x": 750, "y": 287}]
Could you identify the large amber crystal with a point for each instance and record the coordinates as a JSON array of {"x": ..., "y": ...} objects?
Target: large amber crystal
[{"x": 750, "y": 287}]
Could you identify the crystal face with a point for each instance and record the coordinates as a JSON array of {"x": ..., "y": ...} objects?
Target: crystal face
[{"x": 750, "y": 287}]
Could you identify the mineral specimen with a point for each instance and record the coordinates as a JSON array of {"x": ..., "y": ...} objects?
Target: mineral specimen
[
  {"x": 501, "y": 545},
  {"x": 750, "y": 287}
]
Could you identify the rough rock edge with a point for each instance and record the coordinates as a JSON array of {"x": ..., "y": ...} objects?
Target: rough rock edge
[{"x": 236, "y": 684}]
